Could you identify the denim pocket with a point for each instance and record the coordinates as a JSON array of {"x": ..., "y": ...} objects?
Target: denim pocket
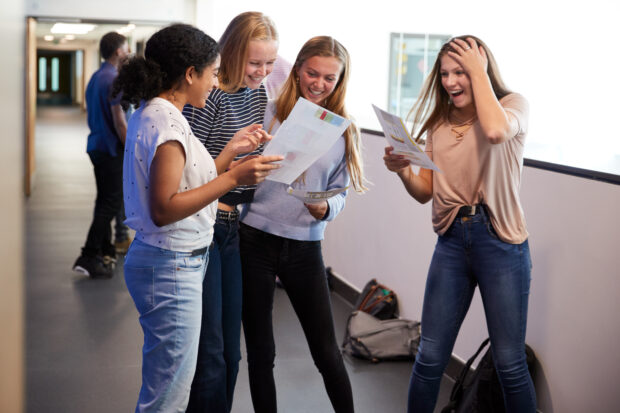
[
  {"x": 190, "y": 264},
  {"x": 140, "y": 283},
  {"x": 491, "y": 230}
]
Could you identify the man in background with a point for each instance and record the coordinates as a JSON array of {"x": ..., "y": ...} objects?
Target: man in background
[{"x": 106, "y": 140}]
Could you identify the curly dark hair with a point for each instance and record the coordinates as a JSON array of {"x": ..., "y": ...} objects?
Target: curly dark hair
[{"x": 168, "y": 54}]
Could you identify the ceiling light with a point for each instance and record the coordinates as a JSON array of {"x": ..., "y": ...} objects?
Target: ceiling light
[
  {"x": 126, "y": 29},
  {"x": 72, "y": 28},
  {"x": 48, "y": 37},
  {"x": 70, "y": 36}
]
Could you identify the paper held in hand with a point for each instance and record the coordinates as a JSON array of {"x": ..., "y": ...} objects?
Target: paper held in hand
[
  {"x": 398, "y": 137},
  {"x": 306, "y": 135},
  {"x": 309, "y": 197}
]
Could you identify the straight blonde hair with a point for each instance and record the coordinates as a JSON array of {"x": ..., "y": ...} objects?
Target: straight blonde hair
[
  {"x": 326, "y": 46},
  {"x": 234, "y": 43},
  {"x": 433, "y": 106}
]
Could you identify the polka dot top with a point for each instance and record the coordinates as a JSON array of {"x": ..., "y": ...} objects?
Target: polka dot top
[{"x": 155, "y": 122}]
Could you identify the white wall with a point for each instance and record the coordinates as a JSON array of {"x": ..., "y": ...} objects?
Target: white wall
[
  {"x": 11, "y": 204},
  {"x": 554, "y": 52},
  {"x": 575, "y": 290}
]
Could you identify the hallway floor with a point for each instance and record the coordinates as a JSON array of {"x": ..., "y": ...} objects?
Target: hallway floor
[{"x": 83, "y": 339}]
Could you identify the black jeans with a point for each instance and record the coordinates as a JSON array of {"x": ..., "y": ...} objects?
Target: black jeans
[
  {"x": 109, "y": 180},
  {"x": 299, "y": 265}
]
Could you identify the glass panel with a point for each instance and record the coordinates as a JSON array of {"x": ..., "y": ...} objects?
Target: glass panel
[
  {"x": 55, "y": 74},
  {"x": 42, "y": 74},
  {"x": 411, "y": 58}
]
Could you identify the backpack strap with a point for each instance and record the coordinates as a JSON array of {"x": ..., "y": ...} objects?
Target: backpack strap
[{"x": 460, "y": 382}]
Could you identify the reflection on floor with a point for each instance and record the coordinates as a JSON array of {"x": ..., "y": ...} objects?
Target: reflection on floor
[{"x": 83, "y": 340}]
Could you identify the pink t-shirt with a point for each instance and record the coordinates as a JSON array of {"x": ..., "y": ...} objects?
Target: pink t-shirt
[{"x": 476, "y": 171}]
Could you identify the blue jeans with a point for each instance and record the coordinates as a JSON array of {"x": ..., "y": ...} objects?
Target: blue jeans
[
  {"x": 166, "y": 287},
  {"x": 470, "y": 254},
  {"x": 219, "y": 353}
]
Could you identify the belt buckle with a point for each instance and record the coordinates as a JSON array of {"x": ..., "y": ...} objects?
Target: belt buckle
[{"x": 469, "y": 212}]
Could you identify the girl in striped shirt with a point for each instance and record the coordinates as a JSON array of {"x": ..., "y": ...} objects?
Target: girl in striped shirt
[{"x": 249, "y": 49}]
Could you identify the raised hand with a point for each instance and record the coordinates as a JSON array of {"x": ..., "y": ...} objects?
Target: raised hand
[
  {"x": 469, "y": 55},
  {"x": 247, "y": 139},
  {"x": 254, "y": 169}
]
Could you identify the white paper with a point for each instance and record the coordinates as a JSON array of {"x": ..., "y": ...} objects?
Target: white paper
[
  {"x": 306, "y": 135},
  {"x": 398, "y": 137},
  {"x": 314, "y": 197}
]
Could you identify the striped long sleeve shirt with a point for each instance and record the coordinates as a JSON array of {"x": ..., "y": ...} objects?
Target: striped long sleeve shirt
[{"x": 223, "y": 115}]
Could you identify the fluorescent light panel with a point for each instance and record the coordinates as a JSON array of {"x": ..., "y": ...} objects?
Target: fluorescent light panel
[
  {"x": 72, "y": 28},
  {"x": 126, "y": 29}
]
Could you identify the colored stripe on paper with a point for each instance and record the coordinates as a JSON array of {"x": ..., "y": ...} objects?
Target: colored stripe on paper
[{"x": 329, "y": 117}]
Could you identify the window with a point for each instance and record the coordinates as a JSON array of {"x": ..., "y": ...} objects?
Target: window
[
  {"x": 42, "y": 74},
  {"x": 411, "y": 58},
  {"x": 55, "y": 74}
]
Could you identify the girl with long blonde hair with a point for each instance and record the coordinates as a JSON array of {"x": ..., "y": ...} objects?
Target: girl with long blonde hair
[
  {"x": 280, "y": 235},
  {"x": 475, "y": 131},
  {"x": 249, "y": 48}
]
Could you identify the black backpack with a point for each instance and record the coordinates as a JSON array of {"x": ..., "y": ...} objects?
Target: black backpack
[{"x": 483, "y": 392}]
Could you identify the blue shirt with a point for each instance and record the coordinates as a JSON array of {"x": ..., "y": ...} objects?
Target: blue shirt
[
  {"x": 223, "y": 115},
  {"x": 276, "y": 212},
  {"x": 99, "y": 103}
]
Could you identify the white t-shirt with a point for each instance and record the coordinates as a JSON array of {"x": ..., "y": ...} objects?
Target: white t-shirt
[{"x": 155, "y": 122}]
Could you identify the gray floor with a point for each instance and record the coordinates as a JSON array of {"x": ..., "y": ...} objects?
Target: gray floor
[{"x": 83, "y": 339}]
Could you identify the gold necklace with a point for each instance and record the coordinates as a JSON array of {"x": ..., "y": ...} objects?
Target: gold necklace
[{"x": 462, "y": 127}]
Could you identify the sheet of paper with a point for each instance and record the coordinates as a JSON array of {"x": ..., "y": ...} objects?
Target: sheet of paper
[
  {"x": 310, "y": 197},
  {"x": 398, "y": 137},
  {"x": 306, "y": 135}
]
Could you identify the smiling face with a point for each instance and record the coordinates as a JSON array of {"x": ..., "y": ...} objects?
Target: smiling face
[
  {"x": 457, "y": 84},
  {"x": 261, "y": 56},
  {"x": 203, "y": 83},
  {"x": 318, "y": 77}
]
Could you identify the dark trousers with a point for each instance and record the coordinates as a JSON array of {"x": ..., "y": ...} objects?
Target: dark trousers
[
  {"x": 299, "y": 265},
  {"x": 109, "y": 180},
  {"x": 220, "y": 332}
]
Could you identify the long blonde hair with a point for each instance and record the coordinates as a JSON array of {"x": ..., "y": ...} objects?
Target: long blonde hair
[
  {"x": 326, "y": 46},
  {"x": 433, "y": 106},
  {"x": 234, "y": 43}
]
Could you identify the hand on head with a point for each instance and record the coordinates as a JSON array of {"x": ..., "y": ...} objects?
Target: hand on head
[
  {"x": 248, "y": 139},
  {"x": 393, "y": 162},
  {"x": 469, "y": 55},
  {"x": 254, "y": 168}
]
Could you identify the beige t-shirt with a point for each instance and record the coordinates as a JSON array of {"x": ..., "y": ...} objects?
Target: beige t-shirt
[{"x": 476, "y": 171}]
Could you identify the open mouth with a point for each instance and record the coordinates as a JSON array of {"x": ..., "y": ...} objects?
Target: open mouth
[{"x": 457, "y": 93}]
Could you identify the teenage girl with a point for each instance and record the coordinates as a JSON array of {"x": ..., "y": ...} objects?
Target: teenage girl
[
  {"x": 170, "y": 185},
  {"x": 280, "y": 235},
  {"x": 249, "y": 48},
  {"x": 475, "y": 132}
]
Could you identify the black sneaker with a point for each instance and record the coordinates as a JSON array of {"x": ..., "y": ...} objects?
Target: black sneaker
[{"x": 93, "y": 267}]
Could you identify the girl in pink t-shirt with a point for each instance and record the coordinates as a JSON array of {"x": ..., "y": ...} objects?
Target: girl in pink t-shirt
[{"x": 475, "y": 130}]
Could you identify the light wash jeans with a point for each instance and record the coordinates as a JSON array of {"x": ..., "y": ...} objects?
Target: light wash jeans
[
  {"x": 166, "y": 287},
  {"x": 470, "y": 254}
]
